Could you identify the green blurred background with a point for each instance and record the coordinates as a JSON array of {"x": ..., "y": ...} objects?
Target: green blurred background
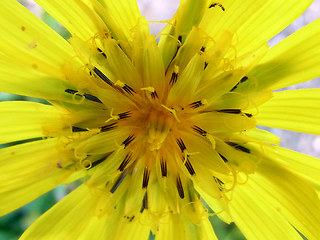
[{"x": 13, "y": 224}]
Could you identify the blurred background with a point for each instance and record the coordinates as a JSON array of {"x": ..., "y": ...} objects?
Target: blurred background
[{"x": 13, "y": 224}]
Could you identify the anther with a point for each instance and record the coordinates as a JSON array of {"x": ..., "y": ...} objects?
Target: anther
[
  {"x": 199, "y": 130},
  {"x": 179, "y": 187},
  {"x": 128, "y": 140},
  {"x": 124, "y": 115},
  {"x": 103, "y": 54},
  {"x": 181, "y": 144},
  {"x": 102, "y": 76},
  {"x": 125, "y": 162},
  {"x": 144, "y": 202},
  {"x": 163, "y": 165},
  {"x": 146, "y": 176},
  {"x": 232, "y": 111},
  {"x": 199, "y": 103},
  {"x": 223, "y": 158},
  {"x": 77, "y": 129},
  {"x": 112, "y": 117},
  {"x": 174, "y": 76},
  {"x": 125, "y": 87},
  {"x": 238, "y": 147},
  {"x": 219, "y": 182},
  {"x": 118, "y": 181},
  {"x": 217, "y": 4}
]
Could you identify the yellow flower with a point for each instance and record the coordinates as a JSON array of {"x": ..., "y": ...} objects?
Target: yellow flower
[{"x": 155, "y": 130}]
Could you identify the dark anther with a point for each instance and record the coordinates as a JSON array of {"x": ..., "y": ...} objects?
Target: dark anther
[
  {"x": 203, "y": 48},
  {"x": 238, "y": 147},
  {"x": 146, "y": 175},
  {"x": 128, "y": 89},
  {"x": 154, "y": 95},
  {"x": 179, "y": 187},
  {"x": 196, "y": 104},
  {"x": 232, "y": 111},
  {"x": 125, "y": 162},
  {"x": 205, "y": 65},
  {"x": 219, "y": 182},
  {"x": 124, "y": 115},
  {"x": 77, "y": 129},
  {"x": 223, "y": 158},
  {"x": 248, "y": 115},
  {"x": 86, "y": 95},
  {"x": 199, "y": 130},
  {"x": 174, "y": 78},
  {"x": 189, "y": 167},
  {"x": 181, "y": 144},
  {"x": 130, "y": 219},
  {"x": 97, "y": 162},
  {"x": 102, "y": 76},
  {"x": 163, "y": 164},
  {"x": 180, "y": 38},
  {"x": 108, "y": 127},
  {"x": 144, "y": 202},
  {"x": 128, "y": 140},
  {"x": 217, "y": 4},
  {"x": 118, "y": 182},
  {"x": 245, "y": 78},
  {"x": 103, "y": 54}
]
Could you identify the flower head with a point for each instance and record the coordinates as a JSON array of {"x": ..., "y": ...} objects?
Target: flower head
[{"x": 157, "y": 129}]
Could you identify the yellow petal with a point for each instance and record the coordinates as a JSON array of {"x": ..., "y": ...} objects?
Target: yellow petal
[
  {"x": 29, "y": 170},
  {"x": 120, "y": 16},
  {"x": 26, "y": 120},
  {"x": 77, "y": 16},
  {"x": 65, "y": 220},
  {"x": 256, "y": 218},
  {"x": 305, "y": 166},
  {"x": 253, "y": 22},
  {"x": 291, "y": 196},
  {"x": 295, "y": 110},
  {"x": 31, "y": 42},
  {"x": 292, "y": 61}
]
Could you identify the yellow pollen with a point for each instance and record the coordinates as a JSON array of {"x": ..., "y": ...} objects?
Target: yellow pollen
[{"x": 150, "y": 89}]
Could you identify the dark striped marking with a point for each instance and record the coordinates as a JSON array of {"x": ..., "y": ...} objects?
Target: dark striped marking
[
  {"x": 124, "y": 115},
  {"x": 163, "y": 165},
  {"x": 232, "y": 111},
  {"x": 203, "y": 48},
  {"x": 181, "y": 144},
  {"x": 238, "y": 147},
  {"x": 217, "y": 4},
  {"x": 196, "y": 104},
  {"x": 77, "y": 129},
  {"x": 245, "y": 78},
  {"x": 86, "y": 95},
  {"x": 146, "y": 176},
  {"x": 223, "y": 158},
  {"x": 96, "y": 163},
  {"x": 128, "y": 89},
  {"x": 189, "y": 167},
  {"x": 199, "y": 130},
  {"x": 125, "y": 162},
  {"x": 128, "y": 140},
  {"x": 144, "y": 202},
  {"x": 102, "y": 76},
  {"x": 118, "y": 182},
  {"x": 154, "y": 95},
  {"x": 174, "y": 78},
  {"x": 179, "y": 187},
  {"x": 108, "y": 127},
  {"x": 103, "y": 54},
  {"x": 219, "y": 182},
  {"x": 205, "y": 65}
]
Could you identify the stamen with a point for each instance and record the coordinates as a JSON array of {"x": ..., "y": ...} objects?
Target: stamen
[
  {"x": 223, "y": 158},
  {"x": 112, "y": 117},
  {"x": 173, "y": 111},
  {"x": 199, "y": 103},
  {"x": 181, "y": 144},
  {"x": 199, "y": 130},
  {"x": 217, "y": 4},
  {"x": 102, "y": 76},
  {"x": 124, "y": 115},
  {"x": 125, "y": 162},
  {"x": 86, "y": 95},
  {"x": 128, "y": 89},
  {"x": 103, "y": 54},
  {"x": 189, "y": 167},
  {"x": 77, "y": 129},
  {"x": 179, "y": 187},
  {"x": 238, "y": 147},
  {"x": 174, "y": 76},
  {"x": 152, "y": 90},
  {"x": 146, "y": 176},
  {"x": 108, "y": 127},
  {"x": 232, "y": 111},
  {"x": 128, "y": 140},
  {"x": 219, "y": 182},
  {"x": 163, "y": 164},
  {"x": 144, "y": 202},
  {"x": 95, "y": 163},
  {"x": 245, "y": 78},
  {"x": 118, "y": 181}
]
